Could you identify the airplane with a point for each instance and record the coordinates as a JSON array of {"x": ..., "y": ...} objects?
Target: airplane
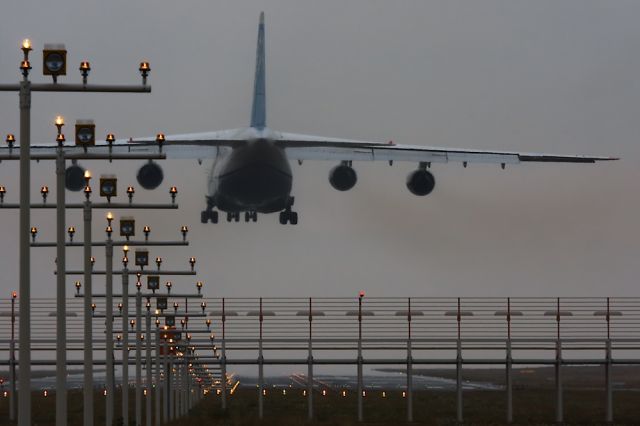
[{"x": 251, "y": 170}]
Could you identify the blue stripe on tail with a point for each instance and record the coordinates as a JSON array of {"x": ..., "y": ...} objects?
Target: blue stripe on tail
[{"x": 259, "y": 109}]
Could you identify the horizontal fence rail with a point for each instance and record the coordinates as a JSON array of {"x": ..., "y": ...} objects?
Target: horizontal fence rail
[{"x": 359, "y": 331}]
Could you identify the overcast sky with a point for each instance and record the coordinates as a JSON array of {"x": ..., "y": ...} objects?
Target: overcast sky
[{"x": 534, "y": 76}]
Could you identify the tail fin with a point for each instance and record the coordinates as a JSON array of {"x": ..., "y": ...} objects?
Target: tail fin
[{"x": 259, "y": 109}]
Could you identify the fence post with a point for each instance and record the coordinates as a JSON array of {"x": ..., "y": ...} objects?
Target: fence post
[
  {"x": 223, "y": 362},
  {"x": 359, "y": 361},
  {"x": 459, "y": 370},
  {"x": 260, "y": 369},
  {"x": 310, "y": 369},
  {"x": 559, "y": 401},
  {"x": 608, "y": 379},
  {"x": 509, "y": 366},
  {"x": 409, "y": 366}
]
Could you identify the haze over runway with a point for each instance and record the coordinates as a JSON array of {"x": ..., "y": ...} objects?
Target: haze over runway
[{"x": 524, "y": 76}]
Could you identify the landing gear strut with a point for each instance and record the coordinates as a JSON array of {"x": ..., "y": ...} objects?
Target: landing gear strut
[
  {"x": 233, "y": 216},
  {"x": 287, "y": 215},
  {"x": 251, "y": 216},
  {"x": 209, "y": 214}
]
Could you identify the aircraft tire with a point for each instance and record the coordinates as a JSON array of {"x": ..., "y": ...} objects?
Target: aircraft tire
[
  {"x": 214, "y": 217},
  {"x": 204, "y": 216},
  {"x": 283, "y": 218},
  {"x": 293, "y": 218}
]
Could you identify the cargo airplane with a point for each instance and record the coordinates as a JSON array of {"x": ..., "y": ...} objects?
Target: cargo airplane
[{"x": 251, "y": 170}]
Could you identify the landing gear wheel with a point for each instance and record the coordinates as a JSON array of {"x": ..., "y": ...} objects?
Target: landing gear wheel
[
  {"x": 204, "y": 216},
  {"x": 214, "y": 217},
  {"x": 229, "y": 216},
  {"x": 293, "y": 218},
  {"x": 208, "y": 215},
  {"x": 283, "y": 218},
  {"x": 255, "y": 217}
]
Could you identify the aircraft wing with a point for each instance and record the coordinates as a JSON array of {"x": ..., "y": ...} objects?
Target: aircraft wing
[{"x": 307, "y": 147}]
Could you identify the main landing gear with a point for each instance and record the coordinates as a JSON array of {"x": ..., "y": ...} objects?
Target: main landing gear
[
  {"x": 287, "y": 215},
  {"x": 209, "y": 215},
  {"x": 250, "y": 216}
]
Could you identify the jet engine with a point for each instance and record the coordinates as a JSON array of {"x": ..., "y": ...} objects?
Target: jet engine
[
  {"x": 342, "y": 177},
  {"x": 150, "y": 175},
  {"x": 420, "y": 182},
  {"x": 74, "y": 178}
]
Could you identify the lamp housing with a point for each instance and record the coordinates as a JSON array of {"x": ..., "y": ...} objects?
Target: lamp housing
[
  {"x": 85, "y": 133},
  {"x": 108, "y": 186},
  {"x": 142, "y": 258},
  {"x": 127, "y": 227},
  {"x": 54, "y": 60}
]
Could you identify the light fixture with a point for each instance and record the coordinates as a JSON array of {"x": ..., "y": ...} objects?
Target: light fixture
[
  {"x": 54, "y": 59},
  {"x": 3, "y": 192},
  {"x": 85, "y": 67},
  {"x": 26, "y": 48},
  {"x": 44, "y": 191},
  {"x": 199, "y": 285},
  {"x": 132, "y": 323},
  {"x": 208, "y": 322},
  {"x": 108, "y": 186},
  {"x": 93, "y": 308},
  {"x": 138, "y": 285},
  {"x": 146, "y": 230},
  {"x": 25, "y": 66},
  {"x": 142, "y": 258},
  {"x": 158, "y": 262},
  {"x": 192, "y": 262},
  {"x": 93, "y": 261},
  {"x": 170, "y": 321},
  {"x": 34, "y": 233},
  {"x": 10, "y": 140},
  {"x": 109, "y": 231},
  {"x": 87, "y": 192},
  {"x": 161, "y": 303},
  {"x": 203, "y": 305},
  {"x": 59, "y": 122},
  {"x": 14, "y": 295},
  {"x": 160, "y": 139},
  {"x": 85, "y": 133},
  {"x": 148, "y": 305},
  {"x": 175, "y": 306},
  {"x": 130, "y": 192},
  {"x": 173, "y": 191},
  {"x": 120, "y": 307},
  {"x": 71, "y": 230},
  {"x": 153, "y": 282},
  {"x": 78, "y": 286},
  {"x": 127, "y": 227},
  {"x": 144, "y": 71}
]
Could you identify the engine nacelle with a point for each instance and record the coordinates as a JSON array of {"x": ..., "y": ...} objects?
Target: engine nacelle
[
  {"x": 342, "y": 177},
  {"x": 420, "y": 182},
  {"x": 150, "y": 175},
  {"x": 74, "y": 178}
]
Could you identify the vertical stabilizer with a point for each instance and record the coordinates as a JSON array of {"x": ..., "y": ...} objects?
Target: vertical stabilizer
[{"x": 259, "y": 109}]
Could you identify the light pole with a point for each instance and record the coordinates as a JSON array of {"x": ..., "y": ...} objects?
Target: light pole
[
  {"x": 54, "y": 65},
  {"x": 61, "y": 296},
  {"x": 88, "y": 291},
  {"x": 109, "y": 320}
]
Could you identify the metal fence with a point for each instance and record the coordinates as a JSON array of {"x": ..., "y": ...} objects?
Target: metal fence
[{"x": 362, "y": 331}]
